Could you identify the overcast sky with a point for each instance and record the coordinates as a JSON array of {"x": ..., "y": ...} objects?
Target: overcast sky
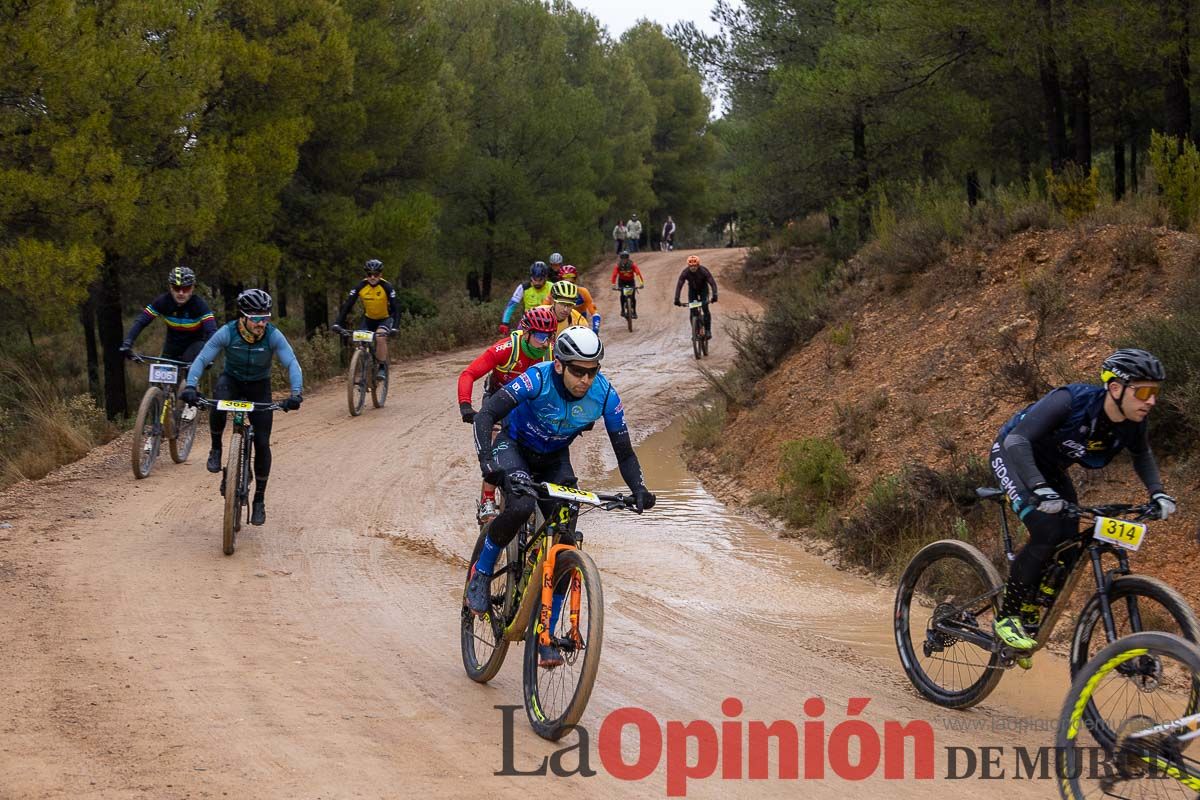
[{"x": 618, "y": 15}]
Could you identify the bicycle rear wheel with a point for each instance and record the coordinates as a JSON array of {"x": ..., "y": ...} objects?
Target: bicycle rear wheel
[
  {"x": 147, "y": 433},
  {"x": 948, "y": 585},
  {"x": 185, "y": 431},
  {"x": 556, "y": 697},
  {"x": 1138, "y": 683},
  {"x": 482, "y": 639},
  {"x": 356, "y": 382},
  {"x": 233, "y": 509},
  {"x": 379, "y": 388}
]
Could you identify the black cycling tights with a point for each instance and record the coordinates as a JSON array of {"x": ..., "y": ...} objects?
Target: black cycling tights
[{"x": 229, "y": 388}]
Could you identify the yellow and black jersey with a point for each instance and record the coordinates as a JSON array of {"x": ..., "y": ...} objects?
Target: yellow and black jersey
[{"x": 379, "y": 301}]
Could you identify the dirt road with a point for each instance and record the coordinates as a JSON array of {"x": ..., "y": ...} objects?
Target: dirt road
[{"x": 322, "y": 659}]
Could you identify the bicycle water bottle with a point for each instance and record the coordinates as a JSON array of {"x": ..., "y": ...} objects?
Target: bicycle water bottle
[{"x": 596, "y": 323}]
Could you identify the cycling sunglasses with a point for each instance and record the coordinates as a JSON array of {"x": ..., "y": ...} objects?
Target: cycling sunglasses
[
  {"x": 583, "y": 372},
  {"x": 182, "y": 289},
  {"x": 1145, "y": 392},
  {"x": 539, "y": 338},
  {"x": 258, "y": 318}
]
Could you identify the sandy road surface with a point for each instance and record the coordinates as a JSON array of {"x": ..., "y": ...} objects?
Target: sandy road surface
[{"x": 322, "y": 659}]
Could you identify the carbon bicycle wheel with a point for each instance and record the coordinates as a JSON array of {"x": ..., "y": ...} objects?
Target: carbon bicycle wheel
[
  {"x": 233, "y": 510},
  {"x": 147, "y": 433},
  {"x": 379, "y": 387},
  {"x": 1138, "y": 683},
  {"x": 184, "y": 433},
  {"x": 556, "y": 697},
  {"x": 697, "y": 334},
  {"x": 482, "y": 639},
  {"x": 948, "y": 584},
  {"x": 356, "y": 382},
  {"x": 1159, "y": 608}
]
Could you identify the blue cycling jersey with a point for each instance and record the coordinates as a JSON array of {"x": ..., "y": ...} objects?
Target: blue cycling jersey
[{"x": 547, "y": 419}]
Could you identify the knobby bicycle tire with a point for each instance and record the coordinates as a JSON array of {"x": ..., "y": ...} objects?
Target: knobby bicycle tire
[
  {"x": 233, "y": 477},
  {"x": 184, "y": 433},
  {"x": 149, "y": 412},
  {"x": 1121, "y": 591},
  {"x": 539, "y": 683},
  {"x": 933, "y": 560},
  {"x": 697, "y": 333},
  {"x": 356, "y": 382},
  {"x": 472, "y": 627},
  {"x": 1074, "y": 761},
  {"x": 379, "y": 388}
]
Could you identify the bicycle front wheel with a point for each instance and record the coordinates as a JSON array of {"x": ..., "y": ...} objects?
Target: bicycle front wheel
[
  {"x": 379, "y": 387},
  {"x": 233, "y": 508},
  {"x": 185, "y": 431},
  {"x": 482, "y": 638},
  {"x": 1138, "y": 603},
  {"x": 1138, "y": 683},
  {"x": 697, "y": 334},
  {"x": 949, "y": 591},
  {"x": 147, "y": 433},
  {"x": 356, "y": 382},
  {"x": 556, "y": 696}
]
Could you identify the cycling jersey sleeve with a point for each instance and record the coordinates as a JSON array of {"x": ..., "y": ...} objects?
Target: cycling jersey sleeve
[
  {"x": 208, "y": 322},
  {"x": 144, "y": 318},
  {"x": 349, "y": 304},
  {"x": 1043, "y": 418},
  {"x": 208, "y": 354},
  {"x": 618, "y": 435},
  {"x": 487, "y": 361},
  {"x": 616, "y": 269},
  {"x": 516, "y": 301},
  {"x": 585, "y": 300},
  {"x": 638, "y": 272},
  {"x": 279, "y": 343},
  {"x": 681, "y": 282},
  {"x": 391, "y": 302},
  {"x": 1144, "y": 463}
]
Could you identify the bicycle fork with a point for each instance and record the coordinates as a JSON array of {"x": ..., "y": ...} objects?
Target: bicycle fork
[{"x": 574, "y": 592}]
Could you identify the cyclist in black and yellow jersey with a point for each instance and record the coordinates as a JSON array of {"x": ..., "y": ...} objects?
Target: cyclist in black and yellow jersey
[
  {"x": 379, "y": 309},
  {"x": 563, "y": 297}
]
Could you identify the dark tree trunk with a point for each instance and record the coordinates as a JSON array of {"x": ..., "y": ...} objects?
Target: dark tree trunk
[
  {"x": 229, "y": 293},
  {"x": 1119, "y": 168},
  {"x": 489, "y": 256},
  {"x": 108, "y": 320},
  {"x": 1133, "y": 167},
  {"x": 862, "y": 175},
  {"x": 281, "y": 294},
  {"x": 87, "y": 318},
  {"x": 473, "y": 286},
  {"x": 1081, "y": 114},
  {"x": 972, "y": 188},
  {"x": 1052, "y": 97},
  {"x": 1178, "y": 99},
  {"x": 316, "y": 311}
]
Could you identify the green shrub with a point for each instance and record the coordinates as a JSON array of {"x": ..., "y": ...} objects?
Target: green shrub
[
  {"x": 1074, "y": 191},
  {"x": 703, "y": 425},
  {"x": 1176, "y": 166},
  {"x": 812, "y": 478}
]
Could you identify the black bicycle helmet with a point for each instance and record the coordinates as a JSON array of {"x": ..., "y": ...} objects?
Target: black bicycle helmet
[
  {"x": 373, "y": 266},
  {"x": 254, "y": 302},
  {"x": 1130, "y": 364},
  {"x": 181, "y": 276},
  {"x": 538, "y": 269},
  {"x": 578, "y": 343}
]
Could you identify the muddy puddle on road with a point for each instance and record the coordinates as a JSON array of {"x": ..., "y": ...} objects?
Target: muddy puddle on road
[{"x": 693, "y": 552}]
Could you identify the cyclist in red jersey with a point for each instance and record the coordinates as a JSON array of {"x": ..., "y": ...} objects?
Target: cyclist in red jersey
[
  {"x": 503, "y": 361},
  {"x": 623, "y": 275}
]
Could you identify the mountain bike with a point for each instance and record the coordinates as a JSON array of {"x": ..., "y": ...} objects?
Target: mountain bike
[
  {"x": 627, "y": 301},
  {"x": 364, "y": 370},
  {"x": 237, "y": 465},
  {"x": 699, "y": 338},
  {"x": 950, "y": 595},
  {"x": 539, "y": 563},
  {"x": 1146, "y": 685},
  {"x": 161, "y": 414}
]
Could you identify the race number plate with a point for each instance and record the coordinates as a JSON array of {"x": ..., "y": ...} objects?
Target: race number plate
[
  {"x": 164, "y": 373},
  {"x": 574, "y": 495},
  {"x": 363, "y": 336},
  {"x": 1120, "y": 532},
  {"x": 695, "y": 304},
  {"x": 627, "y": 291},
  {"x": 235, "y": 405}
]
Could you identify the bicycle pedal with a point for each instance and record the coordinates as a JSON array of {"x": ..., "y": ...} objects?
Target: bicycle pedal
[{"x": 188, "y": 414}]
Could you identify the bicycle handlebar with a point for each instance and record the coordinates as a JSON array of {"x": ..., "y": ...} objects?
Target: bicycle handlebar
[
  {"x": 345, "y": 333},
  {"x": 608, "y": 502},
  {"x": 142, "y": 358},
  {"x": 204, "y": 402},
  {"x": 1133, "y": 512}
]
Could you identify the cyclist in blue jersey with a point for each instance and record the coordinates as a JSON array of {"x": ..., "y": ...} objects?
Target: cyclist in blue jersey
[
  {"x": 1075, "y": 424},
  {"x": 249, "y": 343},
  {"x": 543, "y": 410}
]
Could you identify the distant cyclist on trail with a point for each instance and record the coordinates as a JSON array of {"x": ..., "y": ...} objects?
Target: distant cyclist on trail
[
  {"x": 1076, "y": 424},
  {"x": 528, "y": 294},
  {"x": 248, "y": 343},
  {"x": 624, "y": 274},
  {"x": 543, "y": 411},
  {"x": 379, "y": 309},
  {"x": 190, "y": 322},
  {"x": 698, "y": 280}
]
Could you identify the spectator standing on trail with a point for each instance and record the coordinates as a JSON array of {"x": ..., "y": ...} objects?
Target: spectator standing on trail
[
  {"x": 633, "y": 230},
  {"x": 620, "y": 233},
  {"x": 668, "y": 234}
]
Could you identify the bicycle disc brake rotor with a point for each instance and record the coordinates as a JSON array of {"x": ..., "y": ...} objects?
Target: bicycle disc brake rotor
[{"x": 1145, "y": 672}]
